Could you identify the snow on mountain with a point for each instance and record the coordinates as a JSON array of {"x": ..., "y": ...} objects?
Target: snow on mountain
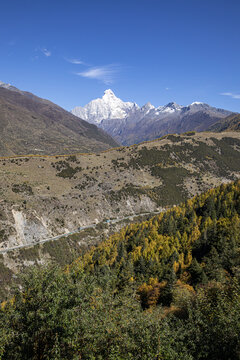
[
  {"x": 128, "y": 123},
  {"x": 196, "y": 103},
  {"x": 4, "y": 85},
  {"x": 8, "y": 86},
  {"x": 170, "y": 108},
  {"x": 108, "y": 107},
  {"x": 147, "y": 108}
]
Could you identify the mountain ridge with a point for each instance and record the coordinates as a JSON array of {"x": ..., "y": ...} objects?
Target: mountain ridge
[
  {"x": 129, "y": 123},
  {"x": 30, "y": 125},
  {"x": 230, "y": 123}
]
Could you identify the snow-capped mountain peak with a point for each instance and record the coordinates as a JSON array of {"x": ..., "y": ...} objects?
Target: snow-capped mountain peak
[
  {"x": 198, "y": 106},
  {"x": 107, "y": 107},
  {"x": 196, "y": 103},
  {"x": 8, "y": 86},
  {"x": 128, "y": 123},
  {"x": 4, "y": 85},
  {"x": 170, "y": 108},
  {"x": 108, "y": 94},
  {"x": 147, "y": 108},
  {"x": 148, "y": 105}
]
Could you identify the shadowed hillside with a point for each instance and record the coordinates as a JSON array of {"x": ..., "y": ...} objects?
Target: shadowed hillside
[
  {"x": 31, "y": 125},
  {"x": 230, "y": 123}
]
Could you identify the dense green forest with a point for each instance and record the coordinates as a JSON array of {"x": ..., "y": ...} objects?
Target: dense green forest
[{"x": 167, "y": 288}]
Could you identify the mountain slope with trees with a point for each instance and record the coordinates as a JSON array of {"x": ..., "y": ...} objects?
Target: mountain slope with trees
[
  {"x": 42, "y": 197},
  {"x": 168, "y": 288}
]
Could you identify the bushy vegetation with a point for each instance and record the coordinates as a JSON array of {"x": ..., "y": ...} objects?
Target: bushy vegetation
[
  {"x": 65, "y": 170},
  {"x": 6, "y": 275},
  {"x": 22, "y": 188},
  {"x": 167, "y": 288},
  {"x": 223, "y": 154},
  {"x": 127, "y": 191}
]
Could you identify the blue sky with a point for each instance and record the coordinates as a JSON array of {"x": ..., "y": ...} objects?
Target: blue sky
[{"x": 70, "y": 51}]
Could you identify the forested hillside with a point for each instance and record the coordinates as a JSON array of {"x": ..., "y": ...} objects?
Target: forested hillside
[{"x": 168, "y": 288}]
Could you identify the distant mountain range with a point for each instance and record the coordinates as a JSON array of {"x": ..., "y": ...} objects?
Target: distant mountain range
[
  {"x": 129, "y": 123},
  {"x": 31, "y": 125}
]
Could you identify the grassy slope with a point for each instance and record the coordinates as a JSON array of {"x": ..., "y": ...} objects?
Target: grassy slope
[{"x": 52, "y": 194}]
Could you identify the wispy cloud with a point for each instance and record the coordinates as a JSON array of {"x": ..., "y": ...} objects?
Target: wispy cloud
[
  {"x": 75, "y": 61},
  {"x": 46, "y": 52},
  {"x": 105, "y": 74},
  {"x": 234, "y": 96}
]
